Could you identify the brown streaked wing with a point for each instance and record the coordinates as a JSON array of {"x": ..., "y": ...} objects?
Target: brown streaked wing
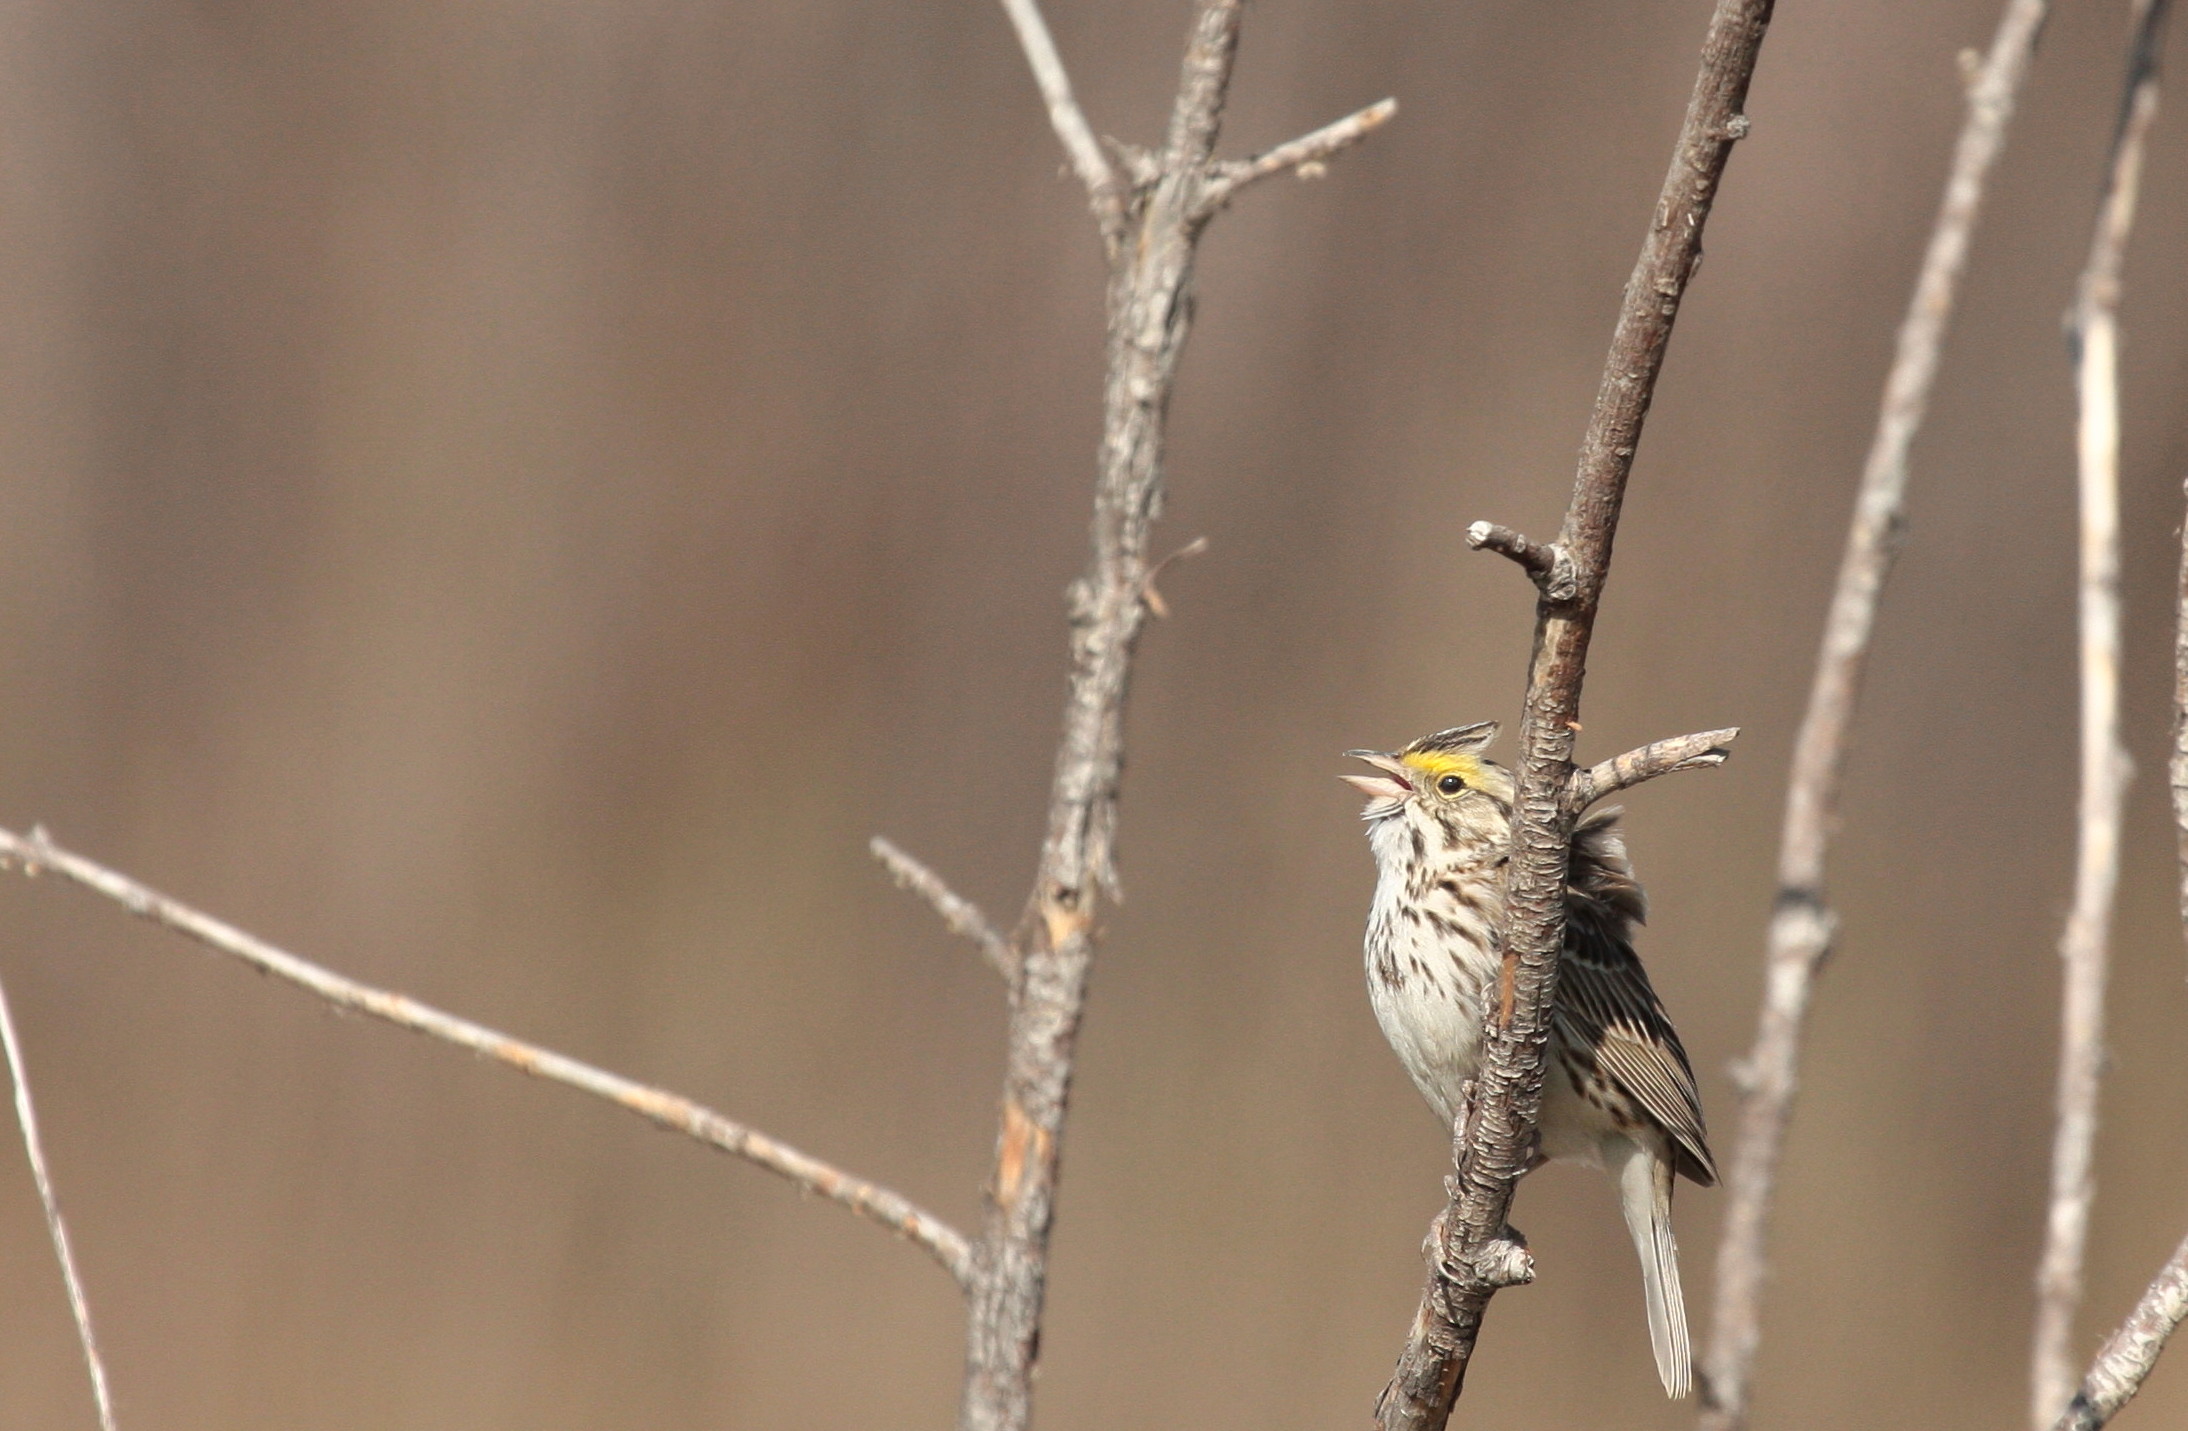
[{"x": 1606, "y": 1008}]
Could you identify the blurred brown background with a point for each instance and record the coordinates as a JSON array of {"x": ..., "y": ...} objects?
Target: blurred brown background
[{"x": 505, "y": 498}]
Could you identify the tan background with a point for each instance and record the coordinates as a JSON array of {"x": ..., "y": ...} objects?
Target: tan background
[{"x": 504, "y": 498}]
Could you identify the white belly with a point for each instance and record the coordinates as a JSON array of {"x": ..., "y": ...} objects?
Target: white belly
[{"x": 1430, "y": 1005}]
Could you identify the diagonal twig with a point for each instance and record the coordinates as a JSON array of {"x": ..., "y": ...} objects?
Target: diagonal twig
[
  {"x": 26, "y": 1117},
  {"x": 1801, "y": 929},
  {"x": 2083, "y": 947},
  {"x": 959, "y": 913},
  {"x": 37, "y": 854},
  {"x": 1306, "y": 154},
  {"x": 1496, "y": 1142},
  {"x": 1622, "y": 772},
  {"x": 1066, "y": 118},
  {"x": 2132, "y": 1350}
]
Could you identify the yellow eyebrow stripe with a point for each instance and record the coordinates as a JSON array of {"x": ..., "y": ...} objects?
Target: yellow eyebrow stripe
[{"x": 1436, "y": 763}]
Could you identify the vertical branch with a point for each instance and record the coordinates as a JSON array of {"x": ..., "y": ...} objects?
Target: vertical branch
[
  {"x": 1149, "y": 310},
  {"x": 2083, "y": 947},
  {"x": 1151, "y": 231},
  {"x": 2179, "y": 770},
  {"x": 1801, "y": 927},
  {"x": 1495, "y": 1140},
  {"x": 26, "y": 1117}
]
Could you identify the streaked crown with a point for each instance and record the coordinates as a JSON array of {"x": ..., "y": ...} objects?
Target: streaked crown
[{"x": 1456, "y": 751}]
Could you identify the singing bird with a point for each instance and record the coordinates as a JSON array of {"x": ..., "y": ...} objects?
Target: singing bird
[{"x": 1618, "y": 1093}]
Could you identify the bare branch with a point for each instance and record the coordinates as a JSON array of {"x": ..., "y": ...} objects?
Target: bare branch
[
  {"x": 1623, "y": 772},
  {"x": 1308, "y": 154},
  {"x": 2104, "y": 770},
  {"x": 26, "y": 1117},
  {"x": 1176, "y": 189},
  {"x": 1204, "y": 84},
  {"x": 38, "y": 854},
  {"x": 1065, "y": 116},
  {"x": 2128, "y": 1355},
  {"x": 1546, "y": 564},
  {"x": 1150, "y": 310},
  {"x": 1499, "y": 1139},
  {"x": 1800, "y": 931},
  {"x": 1152, "y": 227},
  {"x": 961, "y": 915},
  {"x": 2132, "y": 1350},
  {"x": 2179, "y": 770}
]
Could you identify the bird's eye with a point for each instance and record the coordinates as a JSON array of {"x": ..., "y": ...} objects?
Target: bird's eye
[{"x": 1451, "y": 785}]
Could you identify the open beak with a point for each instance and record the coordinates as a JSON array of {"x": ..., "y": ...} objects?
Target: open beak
[{"x": 1391, "y": 785}]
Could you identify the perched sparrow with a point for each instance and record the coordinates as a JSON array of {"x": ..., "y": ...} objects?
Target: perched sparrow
[{"x": 1617, "y": 1092}]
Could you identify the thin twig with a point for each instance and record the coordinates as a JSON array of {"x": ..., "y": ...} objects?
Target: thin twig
[
  {"x": 2179, "y": 770},
  {"x": 26, "y": 1117},
  {"x": 1497, "y": 1142},
  {"x": 1802, "y": 927},
  {"x": 1157, "y": 605},
  {"x": 2132, "y": 1350},
  {"x": 960, "y": 914},
  {"x": 38, "y": 854},
  {"x": 2084, "y": 946},
  {"x": 1066, "y": 118},
  {"x": 1623, "y": 772},
  {"x": 1307, "y": 154}
]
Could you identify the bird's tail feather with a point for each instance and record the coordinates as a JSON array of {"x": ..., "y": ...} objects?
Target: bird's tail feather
[{"x": 1644, "y": 1192}]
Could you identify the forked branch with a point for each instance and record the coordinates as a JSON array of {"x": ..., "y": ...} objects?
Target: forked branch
[
  {"x": 1802, "y": 927},
  {"x": 1151, "y": 222},
  {"x": 36, "y": 854}
]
